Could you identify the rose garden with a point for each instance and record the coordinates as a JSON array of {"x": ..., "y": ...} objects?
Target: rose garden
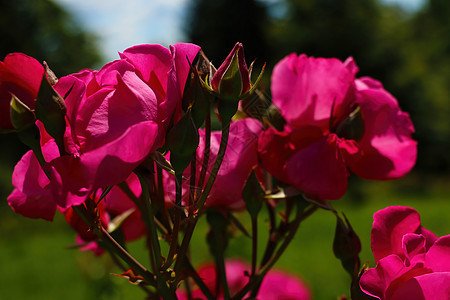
[{"x": 129, "y": 152}]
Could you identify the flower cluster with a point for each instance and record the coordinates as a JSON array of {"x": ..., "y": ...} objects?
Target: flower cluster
[
  {"x": 412, "y": 263},
  {"x": 333, "y": 123},
  {"x": 130, "y": 148}
]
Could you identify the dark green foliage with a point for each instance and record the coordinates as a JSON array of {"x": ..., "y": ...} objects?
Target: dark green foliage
[
  {"x": 218, "y": 25},
  {"x": 47, "y": 32}
]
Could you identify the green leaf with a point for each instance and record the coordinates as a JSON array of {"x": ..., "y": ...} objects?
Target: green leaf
[
  {"x": 51, "y": 111},
  {"x": 346, "y": 245},
  {"x": 118, "y": 220},
  {"x": 21, "y": 115},
  {"x": 253, "y": 195},
  {"x": 182, "y": 141}
]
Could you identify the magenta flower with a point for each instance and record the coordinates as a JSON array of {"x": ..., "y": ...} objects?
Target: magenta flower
[
  {"x": 276, "y": 284},
  {"x": 115, "y": 118},
  {"x": 32, "y": 196},
  {"x": 334, "y": 123},
  {"x": 20, "y": 75},
  {"x": 240, "y": 158},
  {"x": 412, "y": 263}
]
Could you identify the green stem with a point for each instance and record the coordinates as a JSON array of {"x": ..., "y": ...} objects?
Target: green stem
[
  {"x": 271, "y": 243},
  {"x": 192, "y": 186},
  {"x": 161, "y": 203},
  {"x": 221, "y": 272},
  {"x": 293, "y": 227},
  {"x": 125, "y": 256},
  {"x": 116, "y": 247},
  {"x": 119, "y": 264},
  {"x": 254, "y": 244},
  {"x": 205, "y": 290},
  {"x": 206, "y": 154},
  {"x": 148, "y": 218},
  {"x": 176, "y": 222},
  {"x": 217, "y": 164},
  {"x": 191, "y": 225}
]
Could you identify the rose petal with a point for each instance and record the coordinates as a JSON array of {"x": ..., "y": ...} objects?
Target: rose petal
[
  {"x": 75, "y": 177},
  {"x": 307, "y": 89},
  {"x": 389, "y": 227},
  {"x": 414, "y": 246},
  {"x": 20, "y": 75},
  {"x": 433, "y": 286},
  {"x": 319, "y": 169},
  {"x": 153, "y": 62},
  {"x": 278, "y": 285},
  {"x": 438, "y": 256},
  {"x": 390, "y": 273},
  {"x": 388, "y": 149},
  {"x": 31, "y": 197},
  {"x": 275, "y": 147},
  {"x": 182, "y": 54}
]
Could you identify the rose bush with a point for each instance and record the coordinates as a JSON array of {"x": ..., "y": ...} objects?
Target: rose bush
[
  {"x": 333, "y": 122},
  {"x": 115, "y": 118},
  {"x": 412, "y": 263}
]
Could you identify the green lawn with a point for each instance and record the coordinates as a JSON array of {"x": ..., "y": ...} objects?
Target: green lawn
[{"x": 35, "y": 264}]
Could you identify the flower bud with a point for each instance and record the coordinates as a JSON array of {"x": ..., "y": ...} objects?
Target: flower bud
[
  {"x": 346, "y": 246},
  {"x": 232, "y": 80}
]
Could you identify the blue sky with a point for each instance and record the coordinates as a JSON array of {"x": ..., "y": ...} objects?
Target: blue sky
[{"x": 120, "y": 24}]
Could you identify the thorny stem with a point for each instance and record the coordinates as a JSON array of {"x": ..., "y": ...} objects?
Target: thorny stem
[
  {"x": 148, "y": 218},
  {"x": 176, "y": 221},
  {"x": 272, "y": 227},
  {"x": 292, "y": 230},
  {"x": 206, "y": 153},
  {"x": 216, "y": 166},
  {"x": 192, "y": 184},
  {"x": 119, "y": 264},
  {"x": 254, "y": 245},
  {"x": 115, "y": 247},
  {"x": 192, "y": 223},
  {"x": 206, "y": 292},
  {"x": 161, "y": 203}
]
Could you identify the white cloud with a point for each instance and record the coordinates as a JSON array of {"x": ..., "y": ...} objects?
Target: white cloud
[{"x": 121, "y": 24}]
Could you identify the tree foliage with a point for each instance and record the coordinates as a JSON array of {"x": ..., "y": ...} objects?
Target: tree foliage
[{"x": 44, "y": 30}]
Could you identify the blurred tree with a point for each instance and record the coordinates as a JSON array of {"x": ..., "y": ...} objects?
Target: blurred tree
[
  {"x": 46, "y": 31},
  {"x": 424, "y": 81},
  {"x": 218, "y": 25}
]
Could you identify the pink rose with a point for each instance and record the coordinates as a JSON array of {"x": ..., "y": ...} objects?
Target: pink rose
[
  {"x": 276, "y": 284},
  {"x": 412, "y": 263},
  {"x": 240, "y": 158},
  {"x": 115, "y": 118},
  {"x": 20, "y": 75},
  {"x": 334, "y": 122}
]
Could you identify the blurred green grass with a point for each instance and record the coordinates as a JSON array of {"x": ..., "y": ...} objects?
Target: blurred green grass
[{"x": 36, "y": 264}]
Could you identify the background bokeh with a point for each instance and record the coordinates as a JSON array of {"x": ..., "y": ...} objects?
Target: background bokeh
[{"x": 407, "y": 47}]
